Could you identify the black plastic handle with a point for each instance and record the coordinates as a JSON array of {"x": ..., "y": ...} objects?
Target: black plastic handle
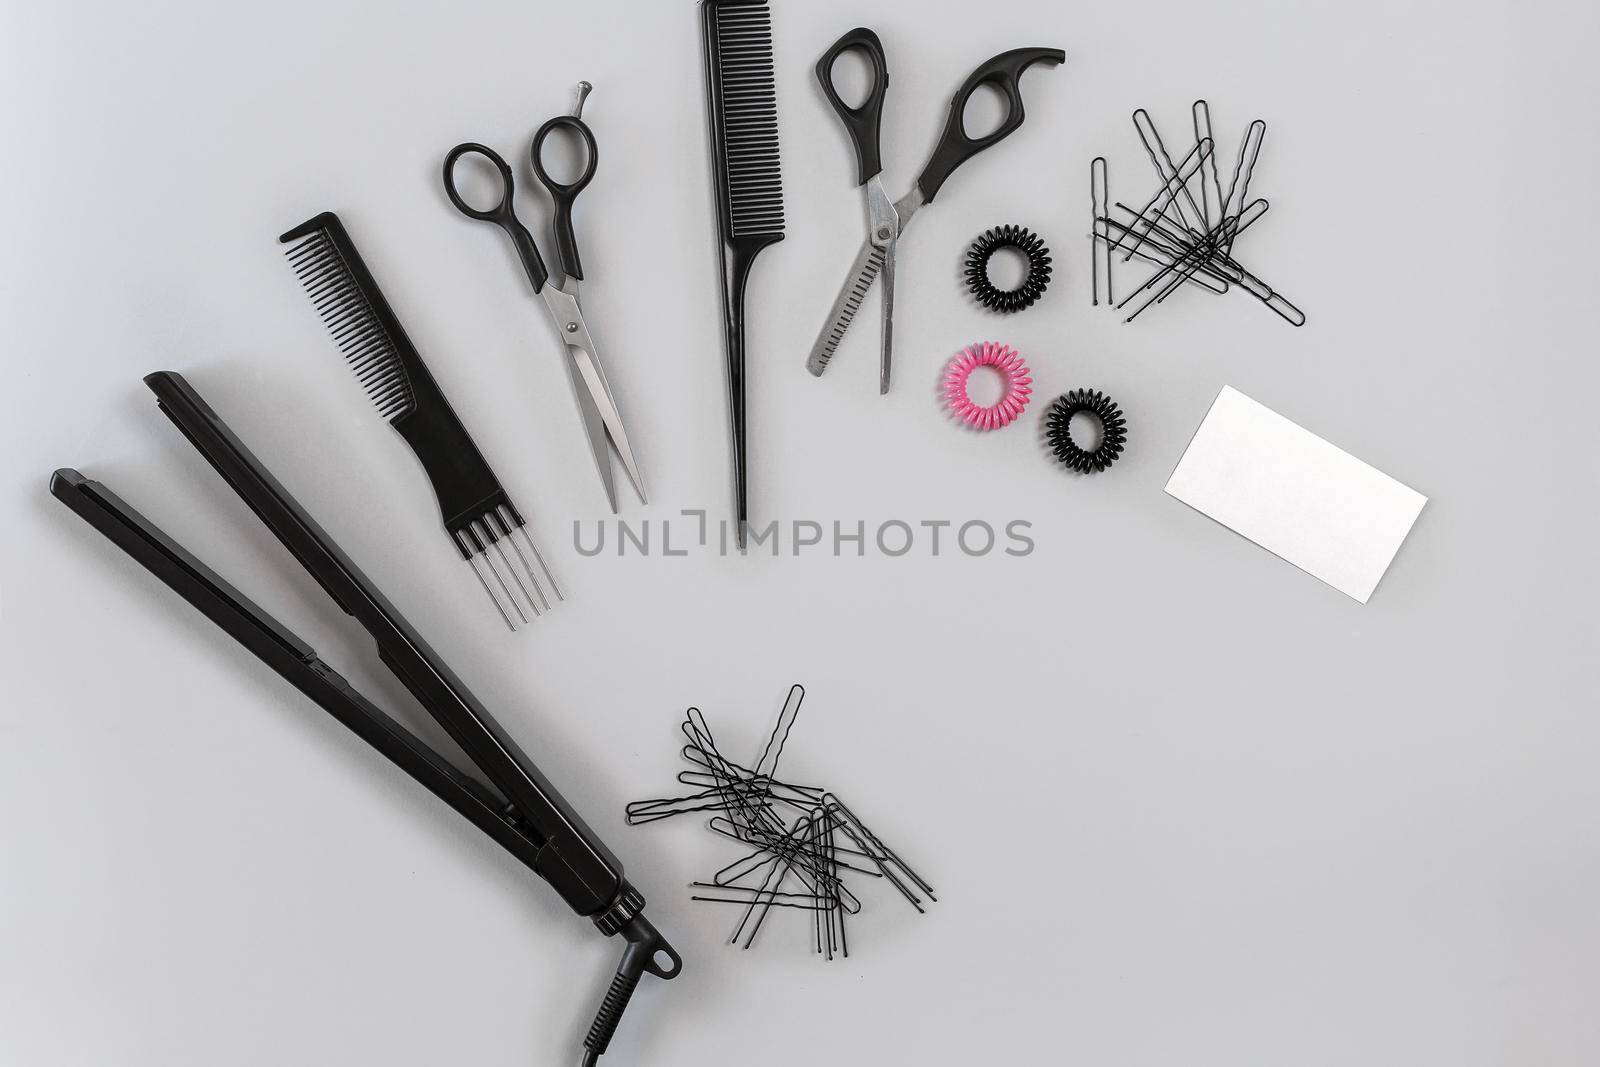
[
  {"x": 1004, "y": 72},
  {"x": 639, "y": 956},
  {"x": 564, "y": 195},
  {"x": 502, "y": 214},
  {"x": 864, "y": 122}
]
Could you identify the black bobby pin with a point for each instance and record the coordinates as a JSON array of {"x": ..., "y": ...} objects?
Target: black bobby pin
[{"x": 801, "y": 840}]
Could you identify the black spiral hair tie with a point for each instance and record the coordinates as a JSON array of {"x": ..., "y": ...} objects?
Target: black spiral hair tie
[
  {"x": 1034, "y": 282},
  {"x": 1113, "y": 430}
]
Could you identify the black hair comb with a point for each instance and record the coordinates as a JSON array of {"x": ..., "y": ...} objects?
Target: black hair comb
[
  {"x": 477, "y": 513},
  {"x": 742, "y": 112}
]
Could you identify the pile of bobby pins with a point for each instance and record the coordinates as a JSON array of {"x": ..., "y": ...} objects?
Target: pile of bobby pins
[{"x": 804, "y": 840}]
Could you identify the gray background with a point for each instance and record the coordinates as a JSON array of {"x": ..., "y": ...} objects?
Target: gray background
[{"x": 1183, "y": 804}]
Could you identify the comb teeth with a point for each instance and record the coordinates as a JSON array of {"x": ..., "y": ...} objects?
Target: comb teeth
[
  {"x": 350, "y": 319},
  {"x": 752, "y": 183}
]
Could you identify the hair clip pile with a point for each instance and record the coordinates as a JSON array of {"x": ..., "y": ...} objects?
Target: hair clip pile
[
  {"x": 1189, "y": 227},
  {"x": 1018, "y": 387},
  {"x": 1034, "y": 281},
  {"x": 805, "y": 839}
]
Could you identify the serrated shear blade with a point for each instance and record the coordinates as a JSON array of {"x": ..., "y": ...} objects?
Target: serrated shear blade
[{"x": 863, "y": 272}]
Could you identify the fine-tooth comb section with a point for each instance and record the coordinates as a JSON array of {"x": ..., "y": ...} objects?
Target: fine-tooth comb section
[
  {"x": 749, "y": 116},
  {"x": 479, "y": 518},
  {"x": 352, "y": 321}
]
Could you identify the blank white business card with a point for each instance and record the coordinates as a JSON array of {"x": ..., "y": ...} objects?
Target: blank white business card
[{"x": 1295, "y": 494}]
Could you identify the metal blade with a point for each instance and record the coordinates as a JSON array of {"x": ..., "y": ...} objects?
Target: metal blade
[
  {"x": 600, "y": 415},
  {"x": 888, "y": 318},
  {"x": 594, "y": 428},
  {"x": 599, "y": 397},
  {"x": 883, "y": 230},
  {"x": 863, "y": 272}
]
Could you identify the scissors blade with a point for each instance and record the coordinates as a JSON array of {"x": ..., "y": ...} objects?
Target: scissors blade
[
  {"x": 863, "y": 272},
  {"x": 885, "y": 221},
  {"x": 594, "y": 398},
  {"x": 599, "y": 395},
  {"x": 883, "y": 228},
  {"x": 888, "y": 316},
  {"x": 594, "y": 428}
]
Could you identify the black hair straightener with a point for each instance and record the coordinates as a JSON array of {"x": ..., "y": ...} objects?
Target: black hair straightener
[{"x": 519, "y": 809}]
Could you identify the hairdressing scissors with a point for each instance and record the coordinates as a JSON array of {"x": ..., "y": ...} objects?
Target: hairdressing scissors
[
  {"x": 602, "y": 421},
  {"x": 887, "y": 219}
]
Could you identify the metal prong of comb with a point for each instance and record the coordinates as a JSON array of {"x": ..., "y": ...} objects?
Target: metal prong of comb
[
  {"x": 484, "y": 528},
  {"x": 509, "y": 518},
  {"x": 497, "y": 522},
  {"x": 472, "y": 561},
  {"x": 483, "y": 553}
]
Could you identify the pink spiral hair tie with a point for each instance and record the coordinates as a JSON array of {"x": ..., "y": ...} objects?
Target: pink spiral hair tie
[{"x": 1018, "y": 388}]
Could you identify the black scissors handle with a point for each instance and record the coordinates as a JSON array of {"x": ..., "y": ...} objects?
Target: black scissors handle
[
  {"x": 565, "y": 194},
  {"x": 1004, "y": 72},
  {"x": 862, "y": 122},
  {"x": 502, "y": 214}
]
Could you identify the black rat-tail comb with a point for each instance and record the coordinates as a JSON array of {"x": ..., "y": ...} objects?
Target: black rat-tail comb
[
  {"x": 478, "y": 515},
  {"x": 742, "y": 112}
]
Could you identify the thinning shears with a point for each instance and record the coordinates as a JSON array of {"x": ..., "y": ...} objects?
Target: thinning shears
[
  {"x": 602, "y": 422},
  {"x": 887, "y": 219}
]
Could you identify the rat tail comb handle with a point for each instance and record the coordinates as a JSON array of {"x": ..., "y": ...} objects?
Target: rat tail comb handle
[{"x": 742, "y": 113}]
